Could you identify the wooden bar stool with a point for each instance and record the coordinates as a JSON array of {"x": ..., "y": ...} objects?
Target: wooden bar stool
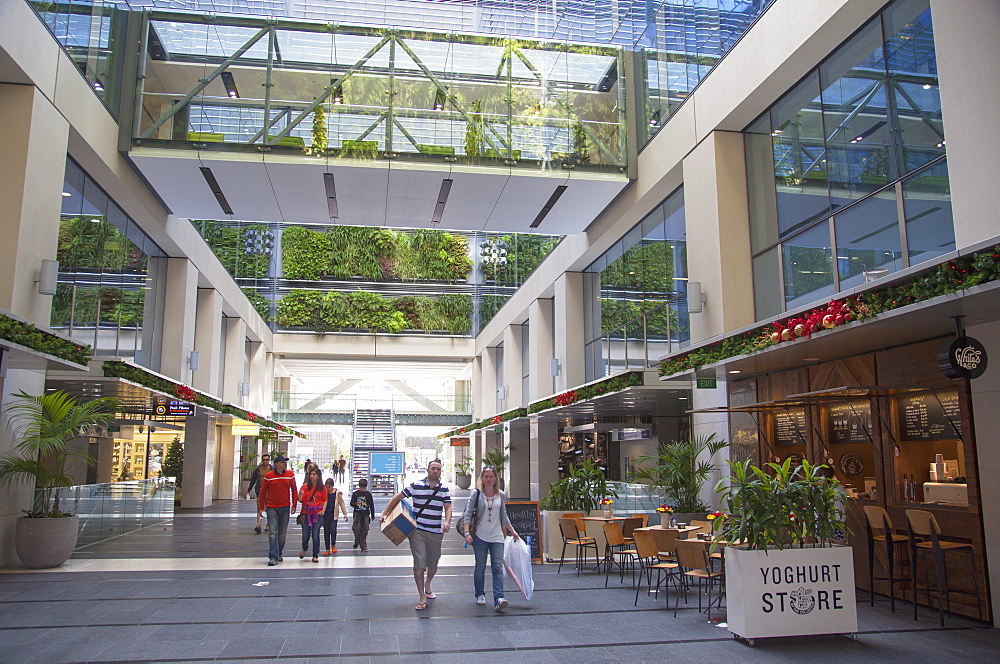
[
  {"x": 879, "y": 527},
  {"x": 922, "y": 524}
]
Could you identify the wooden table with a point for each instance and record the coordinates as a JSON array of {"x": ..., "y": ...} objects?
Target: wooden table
[
  {"x": 595, "y": 529},
  {"x": 662, "y": 540}
]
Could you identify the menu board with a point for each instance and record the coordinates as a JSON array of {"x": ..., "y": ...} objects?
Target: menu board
[
  {"x": 790, "y": 427},
  {"x": 850, "y": 422},
  {"x": 930, "y": 416},
  {"x": 524, "y": 517}
]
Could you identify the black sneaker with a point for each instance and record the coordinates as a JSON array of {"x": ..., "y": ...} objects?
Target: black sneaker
[
  {"x": 280, "y": 559},
  {"x": 257, "y": 529}
]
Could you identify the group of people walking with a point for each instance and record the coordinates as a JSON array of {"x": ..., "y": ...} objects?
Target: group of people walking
[{"x": 485, "y": 521}]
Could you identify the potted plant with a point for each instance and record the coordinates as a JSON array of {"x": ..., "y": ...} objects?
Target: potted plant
[
  {"x": 581, "y": 491},
  {"x": 679, "y": 471},
  {"x": 498, "y": 459},
  {"x": 463, "y": 474},
  {"x": 788, "y": 576},
  {"x": 45, "y": 428}
]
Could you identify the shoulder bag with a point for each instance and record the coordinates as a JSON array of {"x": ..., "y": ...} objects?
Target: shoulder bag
[
  {"x": 301, "y": 518},
  {"x": 460, "y": 523}
]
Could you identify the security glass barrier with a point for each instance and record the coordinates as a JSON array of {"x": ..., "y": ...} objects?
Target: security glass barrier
[{"x": 117, "y": 508}]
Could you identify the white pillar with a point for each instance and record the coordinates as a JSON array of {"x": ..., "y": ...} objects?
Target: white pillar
[
  {"x": 518, "y": 446},
  {"x": 543, "y": 451},
  {"x": 718, "y": 254},
  {"x": 512, "y": 366},
  {"x": 208, "y": 341},
  {"x": 258, "y": 378},
  {"x": 199, "y": 462},
  {"x": 227, "y": 481},
  {"x": 540, "y": 349},
  {"x": 488, "y": 391},
  {"x": 477, "y": 387},
  {"x": 568, "y": 316},
  {"x": 233, "y": 373},
  {"x": 180, "y": 307}
]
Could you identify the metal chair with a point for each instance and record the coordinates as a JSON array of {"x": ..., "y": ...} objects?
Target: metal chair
[
  {"x": 648, "y": 557},
  {"x": 570, "y": 535},
  {"x": 615, "y": 544},
  {"x": 692, "y": 556},
  {"x": 922, "y": 524},
  {"x": 879, "y": 528}
]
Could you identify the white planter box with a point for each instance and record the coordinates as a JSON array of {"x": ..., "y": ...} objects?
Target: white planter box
[{"x": 790, "y": 592}]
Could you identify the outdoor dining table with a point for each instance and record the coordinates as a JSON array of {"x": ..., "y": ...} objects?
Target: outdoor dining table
[
  {"x": 660, "y": 535},
  {"x": 595, "y": 529}
]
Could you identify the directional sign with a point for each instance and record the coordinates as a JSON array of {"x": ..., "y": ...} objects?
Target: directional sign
[{"x": 386, "y": 463}]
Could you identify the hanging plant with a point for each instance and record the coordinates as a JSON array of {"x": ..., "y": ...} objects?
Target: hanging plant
[{"x": 319, "y": 145}]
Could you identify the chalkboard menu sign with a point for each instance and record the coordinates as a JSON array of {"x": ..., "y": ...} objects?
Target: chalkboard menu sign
[
  {"x": 524, "y": 517},
  {"x": 790, "y": 427},
  {"x": 930, "y": 416},
  {"x": 850, "y": 422}
]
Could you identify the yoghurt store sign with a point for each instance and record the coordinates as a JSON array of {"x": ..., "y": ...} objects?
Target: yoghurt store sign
[{"x": 790, "y": 592}]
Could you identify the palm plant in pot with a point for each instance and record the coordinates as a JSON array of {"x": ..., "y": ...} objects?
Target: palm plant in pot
[
  {"x": 678, "y": 472},
  {"x": 580, "y": 491},
  {"x": 786, "y": 574},
  {"x": 44, "y": 429},
  {"x": 463, "y": 474},
  {"x": 498, "y": 459}
]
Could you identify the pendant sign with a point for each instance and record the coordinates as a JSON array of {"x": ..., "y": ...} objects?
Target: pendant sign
[{"x": 964, "y": 357}]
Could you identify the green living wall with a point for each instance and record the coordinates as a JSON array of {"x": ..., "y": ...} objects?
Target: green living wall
[
  {"x": 319, "y": 311},
  {"x": 91, "y": 243},
  {"x": 525, "y": 252},
  {"x": 244, "y": 250}
]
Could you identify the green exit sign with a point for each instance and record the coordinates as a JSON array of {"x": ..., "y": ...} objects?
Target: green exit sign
[{"x": 706, "y": 384}]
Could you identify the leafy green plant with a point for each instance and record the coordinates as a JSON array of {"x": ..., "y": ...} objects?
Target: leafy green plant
[
  {"x": 607, "y": 386},
  {"x": 474, "y": 142},
  {"x": 45, "y": 427},
  {"x": 319, "y": 144},
  {"x": 305, "y": 254},
  {"x": 582, "y": 490},
  {"x": 677, "y": 473},
  {"x": 463, "y": 467},
  {"x": 496, "y": 458},
  {"x": 298, "y": 308},
  {"x": 234, "y": 244},
  {"x": 780, "y": 505},
  {"x": 260, "y": 303},
  {"x": 27, "y": 335},
  {"x": 173, "y": 461}
]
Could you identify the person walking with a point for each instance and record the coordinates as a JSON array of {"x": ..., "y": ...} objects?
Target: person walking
[
  {"x": 363, "y": 504},
  {"x": 431, "y": 504},
  {"x": 342, "y": 468},
  {"x": 255, "y": 481},
  {"x": 334, "y": 499},
  {"x": 312, "y": 498},
  {"x": 489, "y": 507},
  {"x": 278, "y": 499}
]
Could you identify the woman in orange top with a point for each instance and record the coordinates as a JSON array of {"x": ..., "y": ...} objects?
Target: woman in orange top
[{"x": 312, "y": 498}]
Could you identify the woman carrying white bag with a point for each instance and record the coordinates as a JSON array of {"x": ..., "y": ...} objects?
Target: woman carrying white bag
[{"x": 483, "y": 525}]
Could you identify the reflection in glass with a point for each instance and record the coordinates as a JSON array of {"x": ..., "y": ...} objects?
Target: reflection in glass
[
  {"x": 808, "y": 266},
  {"x": 766, "y": 280},
  {"x": 868, "y": 237},
  {"x": 930, "y": 231}
]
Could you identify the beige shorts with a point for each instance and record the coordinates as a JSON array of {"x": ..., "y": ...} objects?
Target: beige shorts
[{"x": 426, "y": 549}]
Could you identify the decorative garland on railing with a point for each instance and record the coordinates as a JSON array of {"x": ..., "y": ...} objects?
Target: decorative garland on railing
[
  {"x": 35, "y": 338},
  {"x": 948, "y": 277},
  {"x": 138, "y": 375},
  {"x": 505, "y": 416},
  {"x": 600, "y": 388}
]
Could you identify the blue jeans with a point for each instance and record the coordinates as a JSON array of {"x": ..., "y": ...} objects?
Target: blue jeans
[
  {"x": 277, "y": 528},
  {"x": 312, "y": 532},
  {"x": 495, "y": 549}
]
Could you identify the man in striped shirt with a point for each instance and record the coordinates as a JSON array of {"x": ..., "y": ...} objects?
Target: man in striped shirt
[{"x": 431, "y": 504}]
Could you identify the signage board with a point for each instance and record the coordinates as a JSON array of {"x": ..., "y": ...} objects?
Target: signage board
[
  {"x": 936, "y": 416},
  {"x": 965, "y": 357},
  {"x": 633, "y": 434},
  {"x": 180, "y": 409},
  {"x": 284, "y": 438},
  {"x": 524, "y": 517},
  {"x": 460, "y": 442},
  {"x": 706, "y": 383},
  {"x": 850, "y": 422},
  {"x": 246, "y": 429},
  {"x": 386, "y": 463}
]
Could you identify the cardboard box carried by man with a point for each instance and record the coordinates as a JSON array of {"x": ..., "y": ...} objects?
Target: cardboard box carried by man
[{"x": 399, "y": 524}]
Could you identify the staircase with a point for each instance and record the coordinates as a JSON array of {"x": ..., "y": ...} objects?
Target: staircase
[{"x": 374, "y": 431}]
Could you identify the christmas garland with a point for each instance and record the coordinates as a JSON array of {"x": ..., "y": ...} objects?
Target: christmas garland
[
  {"x": 948, "y": 277},
  {"x": 599, "y": 388},
  {"x": 25, "y": 334},
  {"x": 140, "y": 376},
  {"x": 505, "y": 416}
]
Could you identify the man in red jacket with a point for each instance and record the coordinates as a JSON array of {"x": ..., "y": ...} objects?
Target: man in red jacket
[{"x": 277, "y": 499}]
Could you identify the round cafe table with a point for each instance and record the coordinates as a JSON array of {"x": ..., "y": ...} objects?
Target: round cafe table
[{"x": 595, "y": 529}]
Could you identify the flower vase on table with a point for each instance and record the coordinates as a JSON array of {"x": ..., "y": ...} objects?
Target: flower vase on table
[
  {"x": 666, "y": 516},
  {"x": 606, "y": 504},
  {"x": 608, "y": 513}
]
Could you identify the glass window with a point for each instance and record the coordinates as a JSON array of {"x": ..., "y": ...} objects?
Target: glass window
[
  {"x": 808, "y": 266},
  {"x": 800, "y": 176},
  {"x": 868, "y": 237},
  {"x": 766, "y": 285},
  {"x": 760, "y": 184},
  {"x": 930, "y": 231}
]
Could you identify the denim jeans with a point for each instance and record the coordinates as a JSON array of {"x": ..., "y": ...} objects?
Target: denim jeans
[
  {"x": 495, "y": 549},
  {"x": 277, "y": 525},
  {"x": 312, "y": 532},
  {"x": 330, "y": 531}
]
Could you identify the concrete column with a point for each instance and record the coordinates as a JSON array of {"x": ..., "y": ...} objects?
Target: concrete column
[
  {"x": 268, "y": 384},
  {"x": 232, "y": 375},
  {"x": 705, "y": 424},
  {"x": 227, "y": 477},
  {"x": 477, "y": 387},
  {"x": 715, "y": 203},
  {"x": 512, "y": 366},
  {"x": 965, "y": 34},
  {"x": 543, "y": 456},
  {"x": 31, "y": 183},
  {"x": 258, "y": 378},
  {"x": 568, "y": 321},
  {"x": 199, "y": 462},
  {"x": 208, "y": 341},
  {"x": 540, "y": 349},
  {"x": 180, "y": 307},
  {"x": 518, "y": 473},
  {"x": 488, "y": 391}
]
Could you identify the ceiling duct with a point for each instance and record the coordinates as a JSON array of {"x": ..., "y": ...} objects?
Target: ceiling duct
[
  {"x": 213, "y": 184},
  {"x": 560, "y": 190},
  {"x": 331, "y": 196},
  {"x": 441, "y": 200}
]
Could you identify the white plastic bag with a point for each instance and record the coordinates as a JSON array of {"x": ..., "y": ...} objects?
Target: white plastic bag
[{"x": 517, "y": 564}]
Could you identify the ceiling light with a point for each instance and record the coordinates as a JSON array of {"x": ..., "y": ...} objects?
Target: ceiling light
[
  {"x": 560, "y": 190},
  {"x": 230, "y": 84},
  {"x": 735, "y": 371},
  {"x": 331, "y": 196},
  {"x": 811, "y": 359},
  {"x": 442, "y": 199},
  {"x": 213, "y": 184},
  {"x": 66, "y": 193},
  {"x": 927, "y": 86}
]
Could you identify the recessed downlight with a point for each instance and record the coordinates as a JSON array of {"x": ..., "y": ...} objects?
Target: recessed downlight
[{"x": 735, "y": 371}]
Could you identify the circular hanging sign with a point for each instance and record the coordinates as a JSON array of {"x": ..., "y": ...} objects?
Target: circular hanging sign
[
  {"x": 964, "y": 357},
  {"x": 851, "y": 464}
]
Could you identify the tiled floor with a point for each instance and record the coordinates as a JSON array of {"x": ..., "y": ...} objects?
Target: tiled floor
[{"x": 188, "y": 591}]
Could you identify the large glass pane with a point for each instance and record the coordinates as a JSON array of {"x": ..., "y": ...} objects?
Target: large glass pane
[
  {"x": 808, "y": 266},
  {"x": 930, "y": 231},
  {"x": 800, "y": 174},
  {"x": 767, "y": 285},
  {"x": 867, "y": 238},
  {"x": 858, "y": 156},
  {"x": 913, "y": 73},
  {"x": 760, "y": 184}
]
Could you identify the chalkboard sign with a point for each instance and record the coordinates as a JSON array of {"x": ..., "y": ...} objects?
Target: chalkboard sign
[
  {"x": 930, "y": 416},
  {"x": 524, "y": 517},
  {"x": 790, "y": 427},
  {"x": 850, "y": 422}
]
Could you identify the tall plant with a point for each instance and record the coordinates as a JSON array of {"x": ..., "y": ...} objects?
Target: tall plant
[
  {"x": 780, "y": 505},
  {"x": 173, "y": 461},
  {"x": 45, "y": 427},
  {"x": 679, "y": 473},
  {"x": 582, "y": 490}
]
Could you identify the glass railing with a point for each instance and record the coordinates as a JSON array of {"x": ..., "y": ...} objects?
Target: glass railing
[
  {"x": 416, "y": 403},
  {"x": 118, "y": 508},
  {"x": 244, "y": 84},
  {"x": 646, "y": 339},
  {"x": 636, "y": 498}
]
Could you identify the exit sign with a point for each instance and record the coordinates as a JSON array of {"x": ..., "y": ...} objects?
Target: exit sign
[{"x": 706, "y": 384}]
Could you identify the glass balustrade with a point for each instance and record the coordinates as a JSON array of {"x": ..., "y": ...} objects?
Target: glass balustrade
[
  {"x": 117, "y": 508},
  {"x": 416, "y": 403}
]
